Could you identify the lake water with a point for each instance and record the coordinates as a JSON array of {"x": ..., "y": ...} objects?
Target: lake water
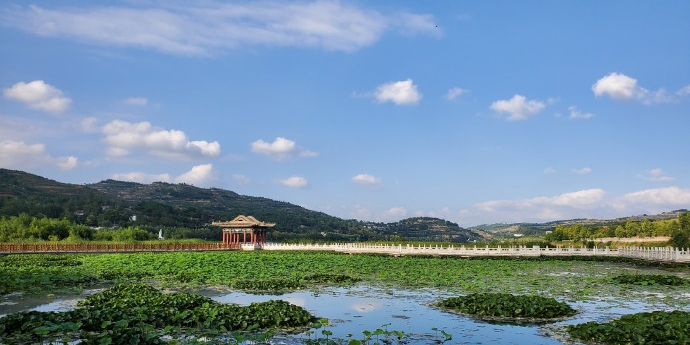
[{"x": 359, "y": 308}]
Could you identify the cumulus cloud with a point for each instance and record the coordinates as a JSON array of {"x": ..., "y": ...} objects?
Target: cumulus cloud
[
  {"x": 454, "y": 93},
  {"x": 576, "y": 114},
  {"x": 669, "y": 197},
  {"x": 295, "y": 182},
  {"x": 583, "y": 171},
  {"x": 580, "y": 199},
  {"x": 366, "y": 179},
  {"x": 518, "y": 108},
  {"x": 280, "y": 149},
  {"x": 39, "y": 95},
  {"x": 205, "y": 28},
  {"x": 588, "y": 203},
  {"x": 617, "y": 86},
  {"x": 656, "y": 175},
  {"x": 137, "y": 101},
  {"x": 622, "y": 87},
  {"x": 395, "y": 212},
  {"x": 124, "y": 137},
  {"x": 549, "y": 170},
  {"x": 402, "y": 92},
  {"x": 200, "y": 175},
  {"x": 141, "y": 177},
  {"x": 540, "y": 208},
  {"x": 22, "y": 156}
]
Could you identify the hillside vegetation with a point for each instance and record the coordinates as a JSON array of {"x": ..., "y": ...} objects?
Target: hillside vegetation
[{"x": 185, "y": 211}]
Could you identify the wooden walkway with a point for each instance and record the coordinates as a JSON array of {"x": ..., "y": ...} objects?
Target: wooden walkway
[{"x": 112, "y": 248}]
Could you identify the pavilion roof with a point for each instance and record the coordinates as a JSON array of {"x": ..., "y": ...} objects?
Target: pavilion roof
[{"x": 243, "y": 221}]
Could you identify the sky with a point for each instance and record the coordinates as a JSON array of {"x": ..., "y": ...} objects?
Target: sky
[{"x": 471, "y": 111}]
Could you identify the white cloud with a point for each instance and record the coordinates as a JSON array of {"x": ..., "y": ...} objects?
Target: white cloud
[
  {"x": 22, "y": 156},
  {"x": 583, "y": 171},
  {"x": 685, "y": 91},
  {"x": 589, "y": 203},
  {"x": 366, "y": 179},
  {"x": 281, "y": 148},
  {"x": 137, "y": 101},
  {"x": 454, "y": 93},
  {"x": 402, "y": 92},
  {"x": 576, "y": 114},
  {"x": 205, "y": 28},
  {"x": 656, "y": 175},
  {"x": 395, "y": 212},
  {"x": 549, "y": 170},
  {"x": 241, "y": 179},
  {"x": 295, "y": 182},
  {"x": 622, "y": 87},
  {"x": 580, "y": 199},
  {"x": 39, "y": 95},
  {"x": 518, "y": 108},
  {"x": 124, "y": 137},
  {"x": 201, "y": 176},
  {"x": 617, "y": 86},
  {"x": 67, "y": 163},
  {"x": 89, "y": 125},
  {"x": 307, "y": 153},
  {"x": 669, "y": 196},
  {"x": 411, "y": 23},
  {"x": 141, "y": 177}
]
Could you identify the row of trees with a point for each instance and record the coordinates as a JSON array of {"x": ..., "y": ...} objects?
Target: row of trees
[
  {"x": 677, "y": 227},
  {"x": 25, "y": 227}
]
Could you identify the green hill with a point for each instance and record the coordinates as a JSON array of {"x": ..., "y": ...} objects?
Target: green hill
[
  {"x": 540, "y": 229},
  {"x": 181, "y": 207},
  {"x": 429, "y": 228}
]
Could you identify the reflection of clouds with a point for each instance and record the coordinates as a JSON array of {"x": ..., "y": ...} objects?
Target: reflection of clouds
[
  {"x": 298, "y": 301},
  {"x": 366, "y": 305}
]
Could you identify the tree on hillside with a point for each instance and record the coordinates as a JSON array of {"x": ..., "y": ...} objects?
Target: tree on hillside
[{"x": 680, "y": 238}]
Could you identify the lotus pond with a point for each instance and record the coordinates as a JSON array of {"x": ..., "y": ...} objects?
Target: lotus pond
[{"x": 366, "y": 299}]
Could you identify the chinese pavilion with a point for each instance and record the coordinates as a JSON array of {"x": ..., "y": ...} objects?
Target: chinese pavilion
[{"x": 244, "y": 230}]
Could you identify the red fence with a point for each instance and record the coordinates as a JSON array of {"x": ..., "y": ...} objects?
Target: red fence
[{"x": 105, "y": 248}]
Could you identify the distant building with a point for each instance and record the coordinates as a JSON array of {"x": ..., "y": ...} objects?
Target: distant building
[{"x": 244, "y": 230}]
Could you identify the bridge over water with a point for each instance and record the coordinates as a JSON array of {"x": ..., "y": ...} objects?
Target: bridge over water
[{"x": 661, "y": 254}]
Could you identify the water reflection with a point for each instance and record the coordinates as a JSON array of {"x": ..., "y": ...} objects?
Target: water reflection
[{"x": 353, "y": 310}]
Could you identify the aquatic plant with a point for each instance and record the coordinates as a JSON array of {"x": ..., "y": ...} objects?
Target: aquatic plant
[
  {"x": 649, "y": 279},
  {"x": 500, "y": 305},
  {"x": 650, "y": 328},
  {"x": 141, "y": 314}
]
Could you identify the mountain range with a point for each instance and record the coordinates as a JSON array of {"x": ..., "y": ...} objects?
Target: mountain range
[{"x": 112, "y": 203}]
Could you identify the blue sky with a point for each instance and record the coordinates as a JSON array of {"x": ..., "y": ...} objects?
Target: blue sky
[{"x": 471, "y": 111}]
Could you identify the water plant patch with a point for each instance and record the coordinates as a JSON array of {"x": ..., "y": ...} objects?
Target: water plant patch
[
  {"x": 650, "y": 328},
  {"x": 649, "y": 279},
  {"x": 508, "y": 306},
  {"x": 138, "y": 313}
]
